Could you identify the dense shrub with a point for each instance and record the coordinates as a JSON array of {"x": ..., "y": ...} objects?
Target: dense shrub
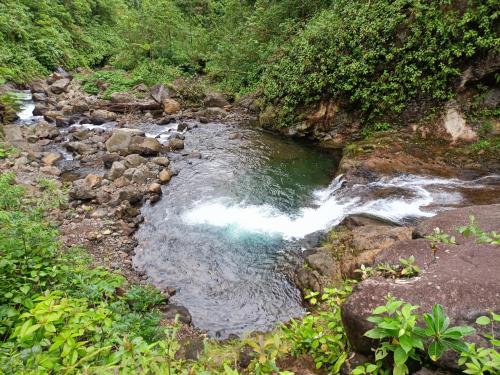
[
  {"x": 380, "y": 55},
  {"x": 58, "y": 313},
  {"x": 38, "y": 35}
]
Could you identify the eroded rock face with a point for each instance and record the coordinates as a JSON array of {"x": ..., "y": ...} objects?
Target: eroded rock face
[
  {"x": 456, "y": 126},
  {"x": 328, "y": 122},
  {"x": 352, "y": 248}
]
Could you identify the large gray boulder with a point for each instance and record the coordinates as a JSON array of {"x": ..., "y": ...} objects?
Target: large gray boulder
[
  {"x": 144, "y": 146},
  {"x": 60, "y": 86},
  {"x": 46, "y": 130},
  {"x": 134, "y": 160},
  {"x": 132, "y": 141},
  {"x": 101, "y": 116},
  {"x": 215, "y": 99},
  {"x": 85, "y": 188},
  {"x": 119, "y": 142},
  {"x": 160, "y": 93},
  {"x": 39, "y": 86},
  {"x": 81, "y": 148},
  {"x": 117, "y": 170},
  {"x": 175, "y": 144}
]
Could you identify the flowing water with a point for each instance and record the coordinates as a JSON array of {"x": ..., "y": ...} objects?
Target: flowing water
[
  {"x": 209, "y": 236},
  {"x": 27, "y": 105}
]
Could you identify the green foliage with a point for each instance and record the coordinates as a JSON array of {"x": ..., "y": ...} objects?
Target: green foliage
[
  {"x": 266, "y": 351},
  {"x": 37, "y": 36},
  {"x": 156, "y": 71},
  {"x": 406, "y": 268},
  {"x": 5, "y": 150},
  {"x": 143, "y": 298},
  {"x": 396, "y": 325},
  {"x": 322, "y": 335},
  {"x": 473, "y": 230},
  {"x": 379, "y": 55},
  {"x": 370, "y": 368},
  {"x": 365, "y": 272},
  {"x": 484, "y": 144},
  {"x": 438, "y": 236},
  {"x": 442, "y": 337},
  {"x": 244, "y": 35},
  {"x": 108, "y": 81},
  {"x": 374, "y": 128},
  {"x": 479, "y": 361},
  {"x": 483, "y": 360},
  {"x": 9, "y": 105},
  {"x": 61, "y": 314}
]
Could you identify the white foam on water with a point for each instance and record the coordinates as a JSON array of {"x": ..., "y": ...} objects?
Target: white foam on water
[
  {"x": 330, "y": 206},
  {"x": 25, "y": 113},
  {"x": 89, "y": 126}
]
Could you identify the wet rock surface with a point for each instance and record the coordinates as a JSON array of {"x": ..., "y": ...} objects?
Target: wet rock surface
[
  {"x": 487, "y": 217},
  {"x": 357, "y": 241}
]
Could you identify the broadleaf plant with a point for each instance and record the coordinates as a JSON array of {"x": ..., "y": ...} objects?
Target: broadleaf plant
[{"x": 396, "y": 327}]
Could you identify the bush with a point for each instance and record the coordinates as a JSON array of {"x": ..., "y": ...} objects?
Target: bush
[
  {"x": 380, "y": 55},
  {"x": 322, "y": 335},
  {"x": 38, "y": 36},
  {"x": 106, "y": 82},
  {"x": 60, "y": 314}
]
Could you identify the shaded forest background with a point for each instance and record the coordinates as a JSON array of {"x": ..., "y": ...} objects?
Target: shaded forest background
[{"x": 376, "y": 55}]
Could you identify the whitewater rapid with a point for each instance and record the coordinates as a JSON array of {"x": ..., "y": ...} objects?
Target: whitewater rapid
[{"x": 419, "y": 196}]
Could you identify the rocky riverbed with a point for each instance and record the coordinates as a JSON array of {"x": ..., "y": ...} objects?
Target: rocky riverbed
[{"x": 105, "y": 155}]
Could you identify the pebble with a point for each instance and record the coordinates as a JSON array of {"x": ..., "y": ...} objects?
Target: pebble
[
  {"x": 154, "y": 188},
  {"x": 165, "y": 176}
]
